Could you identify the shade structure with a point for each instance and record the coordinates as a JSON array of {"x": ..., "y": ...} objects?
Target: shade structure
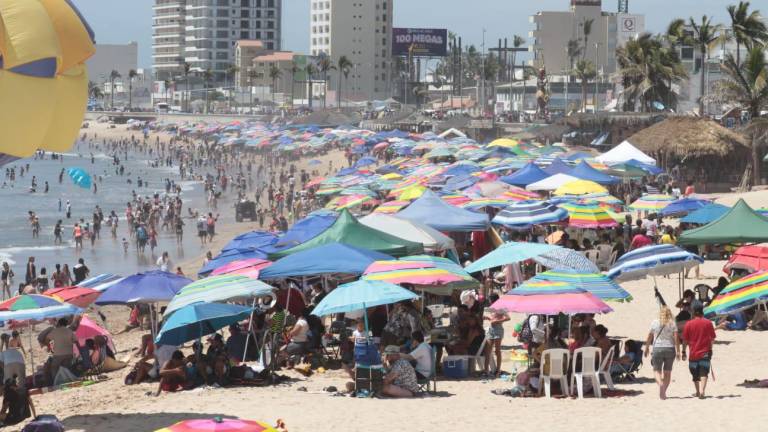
[
  {"x": 324, "y": 259},
  {"x": 741, "y": 224},
  {"x": 530, "y": 173},
  {"x": 625, "y": 152},
  {"x": 558, "y": 167},
  {"x": 580, "y": 187},
  {"x": 504, "y": 142},
  {"x": 101, "y": 282},
  {"x": 706, "y": 214},
  {"x": 200, "y": 319},
  {"x": 303, "y": 230},
  {"x": 741, "y": 294},
  {"x": 588, "y": 215},
  {"x": 88, "y": 329},
  {"x": 585, "y": 171},
  {"x": 229, "y": 256},
  {"x": 359, "y": 295},
  {"x": 417, "y": 273},
  {"x": 253, "y": 239},
  {"x": 545, "y": 287},
  {"x": 654, "y": 260},
  {"x": 150, "y": 287},
  {"x": 751, "y": 258},
  {"x": 551, "y": 304},
  {"x": 551, "y": 183},
  {"x": 391, "y": 207},
  {"x": 562, "y": 258},
  {"x": 480, "y": 204},
  {"x": 526, "y": 214},
  {"x": 509, "y": 253},
  {"x": 350, "y": 231},
  {"x": 411, "y": 230},
  {"x": 519, "y": 194},
  {"x": 40, "y": 314},
  {"x": 445, "y": 263},
  {"x": 652, "y": 202},
  {"x": 29, "y": 301},
  {"x": 219, "y": 289},
  {"x": 451, "y": 219},
  {"x": 596, "y": 283},
  {"x": 683, "y": 206},
  {"x": 248, "y": 267},
  {"x": 78, "y": 296},
  {"x": 80, "y": 177}
]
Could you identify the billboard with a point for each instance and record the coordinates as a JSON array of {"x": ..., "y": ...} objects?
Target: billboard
[{"x": 422, "y": 42}]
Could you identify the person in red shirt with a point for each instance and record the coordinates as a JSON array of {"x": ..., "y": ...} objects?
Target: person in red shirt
[
  {"x": 699, "y": 334},
  {"x": 639, "y": 240}
]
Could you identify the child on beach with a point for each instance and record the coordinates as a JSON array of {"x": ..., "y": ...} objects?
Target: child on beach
[{"x": 125, "y": 245}]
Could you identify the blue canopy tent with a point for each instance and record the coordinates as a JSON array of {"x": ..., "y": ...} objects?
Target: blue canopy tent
[
  {"x": 650, "y": 169},
  {"x": 530, "y": 173},
  {"x": 558, "y": 167},
  {"x": 683, "y": 206},
  {"x": 585, "y": 171},
  {"x": 432, "y": 211},
  {"x": 227, "y": 257},
  {"x": 253, "y": 240},
  {"x": 302, "y": 231},
  {"x": 460, "y": 182},
  {"x": 326, "y": 259},
  {"x": 461, "y": 170},
  {"x": 706, "y": 214}
]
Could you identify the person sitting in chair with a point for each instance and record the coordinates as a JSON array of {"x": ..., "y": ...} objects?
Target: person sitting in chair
[
  {"x": 400, "y": 381},
  {"x": 421, "y": 355}
]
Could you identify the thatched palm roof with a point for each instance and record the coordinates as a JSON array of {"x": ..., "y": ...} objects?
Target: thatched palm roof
[{"x": 688, "y": 136}]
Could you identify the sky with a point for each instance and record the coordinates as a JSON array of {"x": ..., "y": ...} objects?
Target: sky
[{"x": 121, "y": 21}]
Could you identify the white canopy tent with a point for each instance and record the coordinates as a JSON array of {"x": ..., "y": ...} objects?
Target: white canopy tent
[
  {"x": 625, "y": 152},
  {"x": 551, "y": 183},
  {"x": 414, "y": 231}
]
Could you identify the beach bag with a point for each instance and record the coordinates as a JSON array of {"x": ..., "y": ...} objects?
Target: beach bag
[
  {"x": 526, "y": 335},
  {"x": 44, "y": 423}
]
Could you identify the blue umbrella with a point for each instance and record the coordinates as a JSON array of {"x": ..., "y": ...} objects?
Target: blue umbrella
[
  {"x": 314, "y": 162},
  {"x": 706, "y": 214},
  {"x": 226, "y": 257},
  {"x": 150, "y": 287},
  {"x": 683, "y": 206},
  {"x": 200, "y": 319},
  {"x": 325, "y": 259},
  {"x": 525, "y": 214},
  {"x": 80, "y": 177},
  {"x": 40, "y": 314},
  {"x": 509, "y": 253},
  {"x": 654, "y": 260},
  {"x": 562, "y": 258},
  {"x": 365, "y": 161},
  {"x": 361, "y": 294},
  {"x": 253, "y": 239}
]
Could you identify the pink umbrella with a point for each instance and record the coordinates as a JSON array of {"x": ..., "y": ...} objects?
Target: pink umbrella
[
  {"x": 552, "y": 304},
  {"x": 247, "y": 267},
  {"x": 416, "y": 273},
  {"x": 88, "y": 329},
  {"x": 382, "y": 266}
]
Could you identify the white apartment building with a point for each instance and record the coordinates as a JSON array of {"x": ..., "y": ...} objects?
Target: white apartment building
[
  {"x": 361, "y": 30},
  {"x": 553, "y": 30},
  {"x": 203, "y": 33}
]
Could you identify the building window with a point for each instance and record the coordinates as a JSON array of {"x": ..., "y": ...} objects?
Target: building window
[
  {"x": 270, "y": 45},
  {"x": 244, "y": 35},
  {"x": 244, "y": 13}
]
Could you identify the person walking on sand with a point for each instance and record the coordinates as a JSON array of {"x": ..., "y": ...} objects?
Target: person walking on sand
[
  {"x": 664, "y": 339},
  {"x": 699, "y": 335}
]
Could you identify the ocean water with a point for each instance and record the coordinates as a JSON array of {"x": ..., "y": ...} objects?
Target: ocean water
[{"x": 114, "y": 192}]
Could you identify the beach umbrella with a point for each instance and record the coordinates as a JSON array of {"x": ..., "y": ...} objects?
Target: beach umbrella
[
  {"x": 391, "y": 207},
  {"x": 324, "y": 259},
  {"x": 411, "y": 272},
  {"x": 563, "y": 258},
  {"x": 220, "y": 288},
  {"x": 80, "y": 177},
  {"x": 580, "y": 187},
  {"x": 526, "y": 214},
  {"x": 654, "y": 260},
  {"x": 751, "y": 258},
  {"x": 706, "y": 214},
  {"x": 545, "y": 287},
  {"x": 587, "y": 215},
  {"x": 361, "y": 294},
  {"x": 481, "y": 203},
  {"x": 88, "y": 329},
  {"x": 515, "y": 193},
  {"x": 504, "y": 142},
  {"x": 652, "y": 202},
  {"x": 29, "y": 301},
  {"x": 596, "y": 283},
  {"x": 509, "y": 253},
  {"x": 194, "y": 321},
  {"x": 218, "y": 425},
  {"x": 569, "y": 303},
  {"x": 150, "y": 287},
  {"x": 683, "y": 206},
  {"x": 101, "y": 282},
  {"x": 314, "y": 162},
  {"x": 247, "y": 267},
  {"x": 410, "y": 193},
  {"x": 78, "y": 296},
  {"x": 741, "y": 294}
]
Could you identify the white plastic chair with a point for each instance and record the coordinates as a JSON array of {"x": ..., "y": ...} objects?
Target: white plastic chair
[
  {"x": 558, "y": 360},
  {"x": 605, "y": 368},
  {"x": 437, "y": 311},
  {"x": 589, "y": 356},
  {"x": 479, "y": 358},
  {"x": 593, "y": 255}
]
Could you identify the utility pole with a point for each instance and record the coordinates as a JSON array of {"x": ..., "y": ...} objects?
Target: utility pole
[{"x": 597, "y": 74}]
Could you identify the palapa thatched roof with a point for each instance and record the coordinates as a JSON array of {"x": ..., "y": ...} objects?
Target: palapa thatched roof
[{"x": 688, "y": 137}]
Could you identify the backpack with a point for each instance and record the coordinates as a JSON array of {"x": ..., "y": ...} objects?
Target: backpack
[
  {"x": 526, "y": 335},
  {"x": 44, "y": 423}
]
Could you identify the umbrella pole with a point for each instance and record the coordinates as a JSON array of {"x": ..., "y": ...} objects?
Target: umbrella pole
[
  {"x": 31, "y": 355},
  {"x": 250, "y": 328}
]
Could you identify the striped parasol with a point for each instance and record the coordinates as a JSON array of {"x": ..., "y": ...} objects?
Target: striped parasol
[
  {"x": 348, "y": 201},
  {"x": 525, "y": 214},
  {"x": 219, "y": 289},
  {"x": 587, "y": 215},
  {"x": 580, "y": 187},
  {"x": 391, "y": 207},
  {"x": 28, "y": 301},
  {"x": 218, "y": 424},
  {"x": 551, "y": 304},
  {"x": 481, "y": 203},
  {"x": 519, "y": 194},
  {"x": 562, "y": 258},
  {"x": 739, "y": 295},
  {"x": 652, "y": 202},
  {"x": 247, "y": 267},
  {"x": 598, "y": 284},
  {"x": 654, "y": 260}
]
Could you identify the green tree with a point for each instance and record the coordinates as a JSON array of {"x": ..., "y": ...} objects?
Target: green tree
[
  {"x": 705, "y": 35},
  {"x": 311, "y": 71},
  {"x": 94, "y": 91},
  {"x": 324, "y": 65},
  {"x": 230, "y": 73},
  {"x": 112, "y": 77},
  {"x": 584, "y": 72},
  {"x": 343, "y": 66},
  {"x": 747, "y": 27},
  {"x": 131, "y": 75},
  {"x": 207, "y": 76},
  {"x": 586, "y": 31},
  {"x": 274, "y": 74},
  {"x": 746, "y": 86},
  {"x": 186, "y": 70},
  {"x": 294, "y": 70}
]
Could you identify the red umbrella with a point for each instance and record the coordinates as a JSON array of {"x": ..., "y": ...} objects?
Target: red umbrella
[
  {"x": 750, "y": 258},
  {"x": 297, "y": 300},
  {"x": 78, "y": 296}
]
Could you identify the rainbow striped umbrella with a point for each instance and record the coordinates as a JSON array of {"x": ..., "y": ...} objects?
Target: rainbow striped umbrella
[
  {"x": 28, "y": 301},
  {"x": 418, "y": 273},
  {"x": 456, "y": 199},
  {"x": 545, "y": 287},
  {"x": 568, "y": 303},
  {"x": 583, "y": 215},
  {"x": 519, "y": 194},
  {"x": 481, "y": 203},
  {"x": 331, "y": 190},
  {"x": 741, "y": 294},
  {"x": 218, "y": 424},
  {"x": 652, "y": 202},
  {"x": 580, "y": 187},
  {"x": 347, "y": 201},
  {"x": 391, "y": 207},
  {"x": 598, "y": 284}
]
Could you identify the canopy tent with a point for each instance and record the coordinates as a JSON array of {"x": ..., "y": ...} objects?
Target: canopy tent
[
  {"x": 558, "y": 167},
  {"x": 585, "y": 171},
  {"x": 414, "y": 231},
  {"x": 741, "y": 224},
  {"x": 253, "y": 239},
  {"x": 683, "y": 206},
  {"x": 229, "y": 256},
  {"x": 526, "y": 175},
  {"x": 324, "y": 259},
  {"x": 350, "y": 231},
  {"x": 625, "y": 152},
  {"x": 432, "y": 211},
  {"x": 552, "y": 182},
  {"x": 303, "y": 230},
  {"x": 706, "y": 214}
]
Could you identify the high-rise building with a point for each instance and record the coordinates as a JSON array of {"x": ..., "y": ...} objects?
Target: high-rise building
[
  {"x": 204, "y": 33},
  {"x": 361, "y": 30},
  {"x": 118, "y": 57}
]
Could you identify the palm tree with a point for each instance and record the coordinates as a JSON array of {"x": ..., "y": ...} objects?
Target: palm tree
[
  {"x": 131, "y": 75},
  {"x": 231, "y": 72},
  {"x": 746, "y": 27},
  {"x": 343, "y": 65},
  {"x": 112, "y": 77},
  {"x": 675, "y": 34},
  {"x": 311, "y": 71},
  {"x": 746, "y": 85},
  {"x": 705, "y": 35},
  {"x": 324, "y": 65},
  {"x": 294, "y": 70},
  {"x": 166, "y": 84},
  {"x": 187, "y": 69},
  {"x": 94, "y": 91},
  {"x": 573, "y": 51},
  {"x": 252, "y": 75},
  {"x": 587, "y": 30},
  {"x": 274, "y": 74},
  {"x": 207, "y": 75},
  {"x": 584, "y": 71}
]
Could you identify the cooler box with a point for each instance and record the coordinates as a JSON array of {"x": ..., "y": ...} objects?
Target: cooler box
[
  {"x": 367, "y": 354},
  {"x": 456, "y": 366}
]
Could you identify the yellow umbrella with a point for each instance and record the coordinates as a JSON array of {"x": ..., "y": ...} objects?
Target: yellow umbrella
[
  {"x": 392, "y": 176},
  {"x": 504, "y": 142},
  {"x": 580, "y": 187},
  {"x": 411, "y": 193}
]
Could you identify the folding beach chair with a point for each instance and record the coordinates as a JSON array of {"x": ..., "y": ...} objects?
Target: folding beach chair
[
  {"x": 424, "y": 384},
  {"x": 627, "y": 373}
]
